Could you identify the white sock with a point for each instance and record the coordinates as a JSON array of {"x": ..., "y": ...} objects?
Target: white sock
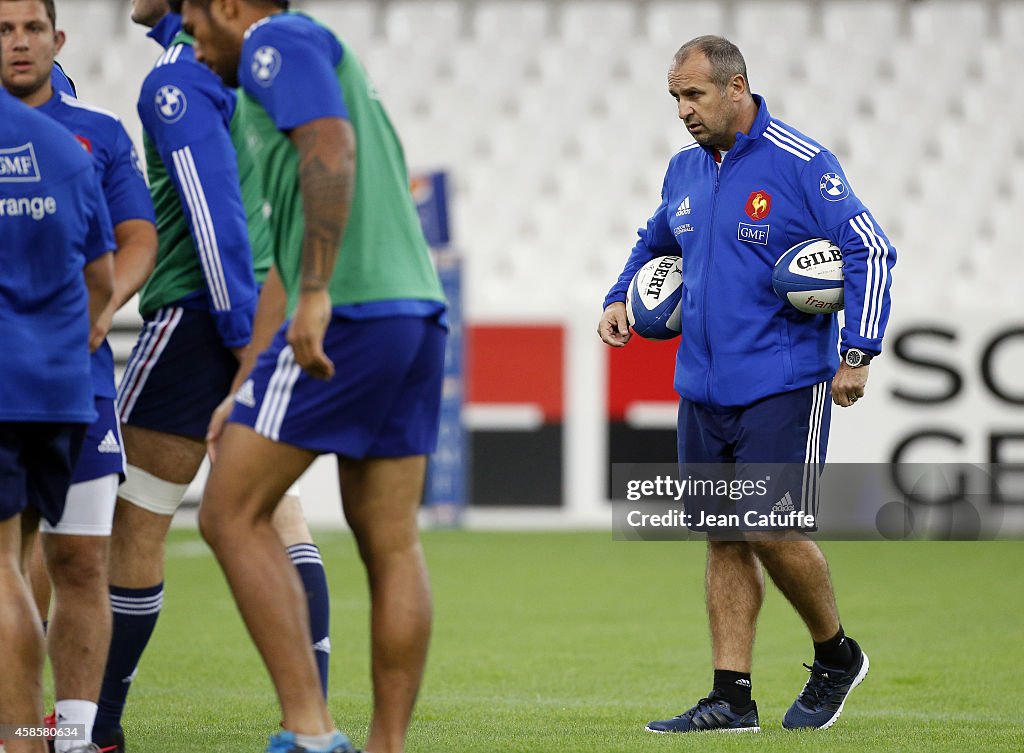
[
  {"x": 74, "y": 712},
  {"x": 315, "y": 742}
]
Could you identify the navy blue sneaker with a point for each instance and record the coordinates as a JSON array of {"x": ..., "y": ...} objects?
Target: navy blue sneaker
[
  {"x": 113, "y": 743},
  {"x": 821, "y": 701},
  {"x": 285, "y": 743},
  {"x": 711, "y": 714}
]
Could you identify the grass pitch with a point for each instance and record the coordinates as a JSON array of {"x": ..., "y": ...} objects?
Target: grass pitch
[{"x": 566, "y": 642}]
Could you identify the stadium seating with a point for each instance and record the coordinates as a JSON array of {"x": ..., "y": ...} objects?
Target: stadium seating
[
  {"x": 554, "y": 119},
  {"x": 598, "y": 23},
  {"x": 355, "y": 21},
  {"x": 669, "y": 20},
  {"x": 945, "y": 20},
  {"x": 860, "y": 22},
  {"x": 498, "y": 21}
]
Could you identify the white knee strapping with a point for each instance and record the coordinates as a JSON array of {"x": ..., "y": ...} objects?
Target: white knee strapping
[
  {"x": 145, "y": 490},
  {"x": 88, "y": 509}
]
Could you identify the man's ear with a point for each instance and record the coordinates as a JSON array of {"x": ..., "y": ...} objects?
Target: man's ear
[
  {"x": 737, "y": 87},
  {"x": 228, "y": 9}
]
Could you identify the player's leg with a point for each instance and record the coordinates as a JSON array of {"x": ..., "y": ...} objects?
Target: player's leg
[
  {"x": 36, "y": 463},
  {"x": 384, "y": 404},
  {"x": 734, "y": 591},
  {"x": 78, "y": 639},
  {"x": 785, "y": 439},
  {"x": 178, "y": 372},
  {"x": 78, "y": 636},
  {"x": 21, "y": 642},
  {"x": 381, "y": 498},
  {"x": 76, "y": 552},
  {"x": 790, "y": 431},
  {"x": 799, "y": 569},
  {"x": 290, "y": 524},
  {"x": 245, "y": 485},
  {"x": 39, "y": 580},
  {"x": 381, "y": 494},
  {"x": 160, "y": 467},
  {"x": 733, "y": 583}
]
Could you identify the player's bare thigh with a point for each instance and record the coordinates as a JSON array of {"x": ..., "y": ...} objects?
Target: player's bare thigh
[
  {"x": 381, "y": 497},
  {"x": 171, "y": 457},
  {"x": 251, "y": 475}
]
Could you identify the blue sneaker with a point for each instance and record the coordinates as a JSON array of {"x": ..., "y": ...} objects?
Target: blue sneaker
[
  {"x": 711, "y": 714},
  {"x": 821, "y": 701},
  {"x": 285, "y": 743}
]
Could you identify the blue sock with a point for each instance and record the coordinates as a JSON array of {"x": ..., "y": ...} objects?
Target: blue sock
[
  {"x": 135, "y": 614},
  {"x": 314, "y": 581}
]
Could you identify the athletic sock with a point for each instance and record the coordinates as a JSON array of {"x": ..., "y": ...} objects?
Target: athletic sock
[
  {"x": 306, "y": 558},
  {"x": 315, "y": 742},
  {"x": 135, "y": 614},
  {"x": 734, "y": 687},
  {"x": 73, "y": 712},
  {"x": 835, "y": 652}
]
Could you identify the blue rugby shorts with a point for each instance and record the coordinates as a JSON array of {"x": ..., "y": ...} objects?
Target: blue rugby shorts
[
  {"x": 777, "y": 445},
  {"x": 178, "y": 373},
  {"x": 384, "y": 399},
  {"x": 36, "y": 463},
  {"x": 102, "y": 449}
]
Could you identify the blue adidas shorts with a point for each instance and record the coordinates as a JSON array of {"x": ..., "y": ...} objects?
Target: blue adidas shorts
[
  {"x": 383, "y": 401},
  {"x": 102, "y": 453},
  {"x": 36, "y": 462},
  {"x": 755, "y": 468},
  {"x": 178, "y": 373}
]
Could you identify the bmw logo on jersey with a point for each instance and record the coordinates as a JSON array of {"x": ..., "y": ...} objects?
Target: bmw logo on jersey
[
  {"x": 833, "y": 188},
  {"x": 266, "y": 64},
  {"x": 170, "y": 103}
]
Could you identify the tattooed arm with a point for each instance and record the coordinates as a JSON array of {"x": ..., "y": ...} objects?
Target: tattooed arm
[{"x": 327, "y": 166}]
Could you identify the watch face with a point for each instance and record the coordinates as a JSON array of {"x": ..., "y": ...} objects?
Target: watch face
[{"x": 854, "y": 358}]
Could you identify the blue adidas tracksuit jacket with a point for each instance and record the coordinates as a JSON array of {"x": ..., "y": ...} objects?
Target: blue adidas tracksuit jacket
[
  {"x": 775, "y": 188},
  {"x": 194, "y": 143}
]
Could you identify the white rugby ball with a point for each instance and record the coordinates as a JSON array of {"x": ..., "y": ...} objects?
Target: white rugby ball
[
  {"x": 809, "y": 277},
  {"x": 655, "y": 297}
]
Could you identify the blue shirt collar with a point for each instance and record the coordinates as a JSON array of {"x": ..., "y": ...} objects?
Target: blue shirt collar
[
  {"x": 761, "y": 121},
  {"x": 166, "y": 30}
]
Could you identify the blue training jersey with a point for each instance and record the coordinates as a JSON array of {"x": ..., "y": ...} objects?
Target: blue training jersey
[
  {"x": 775, "y": 188},
  {"x": 290, "y": 65},
  {"x": 102, "y": 135},
  {"x": 187, "y": 112},
  {"x": 53, "y": 221}
]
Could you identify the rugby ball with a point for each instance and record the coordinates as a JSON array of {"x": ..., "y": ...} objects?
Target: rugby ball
[
  {"x": 809, "y": 277},
  {"x": 654, "y": 298}
]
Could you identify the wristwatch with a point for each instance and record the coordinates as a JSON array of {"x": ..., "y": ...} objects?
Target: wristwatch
[{"x": 855, "y": 358}]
